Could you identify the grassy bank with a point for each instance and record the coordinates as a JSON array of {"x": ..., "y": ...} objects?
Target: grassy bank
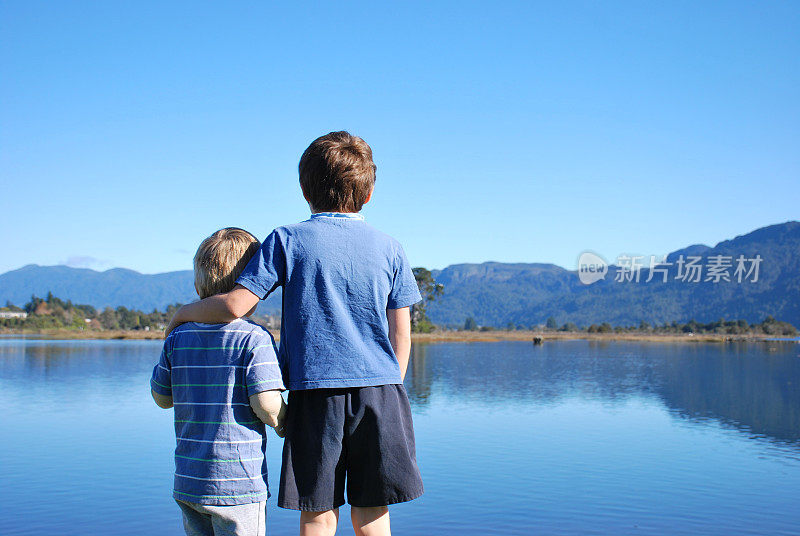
[
  {"x": 87, "y": 334},
  {"x": 438, "y": 336},
  {"x": 493, "y": 336}
]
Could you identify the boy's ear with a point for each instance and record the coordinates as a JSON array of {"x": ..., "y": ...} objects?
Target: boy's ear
[{"x": 369, "y": 195}]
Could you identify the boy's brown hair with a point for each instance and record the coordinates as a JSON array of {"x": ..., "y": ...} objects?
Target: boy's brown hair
[
  {"x": 220, "y": 260},
  {"x": 337, "y": 173}
]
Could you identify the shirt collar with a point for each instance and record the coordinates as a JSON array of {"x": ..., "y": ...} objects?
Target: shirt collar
[{"x": 340, "y": 215}]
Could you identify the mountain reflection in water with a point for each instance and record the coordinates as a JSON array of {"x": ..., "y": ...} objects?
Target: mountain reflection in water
[{"x": 753, "y": 387}]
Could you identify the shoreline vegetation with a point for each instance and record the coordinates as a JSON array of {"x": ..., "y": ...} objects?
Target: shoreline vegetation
[
  {"x": 53, "y": 318},
  {"x": 432, "y": 337}
]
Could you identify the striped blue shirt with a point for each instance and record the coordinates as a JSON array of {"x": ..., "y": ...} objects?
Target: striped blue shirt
[{"x": 210, "y": 371}]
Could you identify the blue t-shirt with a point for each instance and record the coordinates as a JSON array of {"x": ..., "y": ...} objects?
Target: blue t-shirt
[
  {"x": 339, "y": 275},
  {"x": 210, "y": 371}
]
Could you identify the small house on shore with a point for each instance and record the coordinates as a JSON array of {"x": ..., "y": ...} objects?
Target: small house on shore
[{"x": 13, "y": 314}]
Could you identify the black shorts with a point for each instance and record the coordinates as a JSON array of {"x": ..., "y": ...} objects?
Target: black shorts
[{"x": 363, "y": 435}]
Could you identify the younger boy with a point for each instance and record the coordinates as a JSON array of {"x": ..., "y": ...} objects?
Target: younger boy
[
  {"x": 344, "y": 349},
  {"x": 224, "y": 381}
]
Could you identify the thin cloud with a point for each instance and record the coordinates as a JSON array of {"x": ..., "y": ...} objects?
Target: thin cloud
[{"x": 84, "y": 261}]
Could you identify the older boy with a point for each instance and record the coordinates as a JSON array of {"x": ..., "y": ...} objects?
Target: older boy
[
  {"x": 345, "y": 342},
  {"x": 224, "y": 382}
]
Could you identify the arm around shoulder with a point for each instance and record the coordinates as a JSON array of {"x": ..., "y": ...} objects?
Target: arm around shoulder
[{"x": 216, "y": 309}]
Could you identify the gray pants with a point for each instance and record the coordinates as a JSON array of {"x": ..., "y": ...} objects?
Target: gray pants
[{"x": 240, "y": 520}]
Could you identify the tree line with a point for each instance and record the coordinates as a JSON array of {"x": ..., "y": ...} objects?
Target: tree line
[
  {"x": 769, "y": 326},
  {"x": 54, "y": 313},
  {"x": 431, "y": 290}
]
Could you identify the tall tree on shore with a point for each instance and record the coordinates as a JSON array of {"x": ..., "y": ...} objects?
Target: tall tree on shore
[{"x": 430, "y": 290}]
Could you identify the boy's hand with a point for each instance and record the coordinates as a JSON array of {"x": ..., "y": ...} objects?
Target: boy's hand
[
  {"x": 280, "y": 427},
  {"x": 271, "y": 409},
  {"x": 173, "y": 323}
]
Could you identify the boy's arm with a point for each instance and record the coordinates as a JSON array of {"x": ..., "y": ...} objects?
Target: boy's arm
[
  {"x": 216, "y": 309},
  {"x": 161, "y": 380},
  {"x": 162, "y": 401},
  {"x": 270, "y": 408},
  {"x": 400, "y": 336},
  {"x": 264, "y": 382}
]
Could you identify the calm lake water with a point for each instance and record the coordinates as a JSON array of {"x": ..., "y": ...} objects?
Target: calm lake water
[{"x": 567, "y": 438}]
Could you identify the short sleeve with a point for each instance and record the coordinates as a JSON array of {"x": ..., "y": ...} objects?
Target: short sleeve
[
  {"x": 263, "y": 372},
  {"x": 161, "y": 381},
  {"x": 404, "y": 291},
  {"x": 266, "y": 271}
]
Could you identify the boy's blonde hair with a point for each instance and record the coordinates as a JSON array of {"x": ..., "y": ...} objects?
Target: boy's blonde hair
[{"x": 220, "y": 260}]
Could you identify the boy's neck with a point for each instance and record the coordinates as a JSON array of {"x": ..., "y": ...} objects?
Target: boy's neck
[
  {"x": 337, "y": 216},
  {"x": 332, "y": 212}
]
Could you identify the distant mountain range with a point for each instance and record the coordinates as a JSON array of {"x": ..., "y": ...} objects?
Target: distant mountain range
[
  {"x": 526, "y": 294},
  {"x": 118, "y": 286},
  {"x": 496, "y": 294}
]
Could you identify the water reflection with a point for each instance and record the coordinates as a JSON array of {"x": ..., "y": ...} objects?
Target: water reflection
[
  {"x": 36, "y": 363},
  {"x": 584, "y": 438},
  {"x": 753, "y": 387}
]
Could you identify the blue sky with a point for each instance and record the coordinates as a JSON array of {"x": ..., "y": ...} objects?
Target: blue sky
[{"x": 516, "y": 132}]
